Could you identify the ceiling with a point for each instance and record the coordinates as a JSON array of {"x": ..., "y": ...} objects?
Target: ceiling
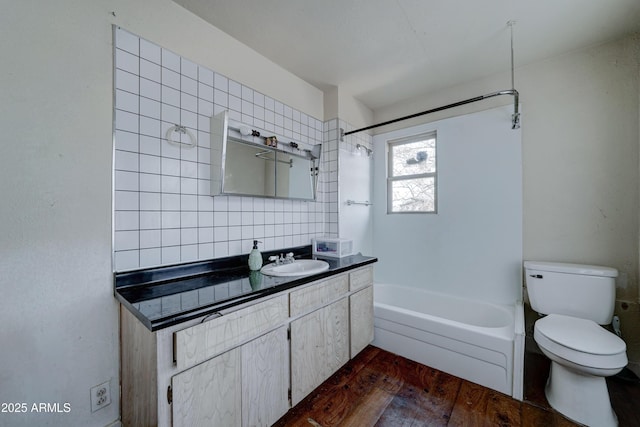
[{"x": 385, "y": 51}]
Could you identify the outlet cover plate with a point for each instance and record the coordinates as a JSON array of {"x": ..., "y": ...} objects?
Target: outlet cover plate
[{"x": 100, "y": 396}]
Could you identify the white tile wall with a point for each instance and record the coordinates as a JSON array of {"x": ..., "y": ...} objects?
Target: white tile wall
[{"x": 163, "y": 213}]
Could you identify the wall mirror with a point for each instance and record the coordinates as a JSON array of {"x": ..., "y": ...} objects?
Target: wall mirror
[{"x": 241, "y": 164}]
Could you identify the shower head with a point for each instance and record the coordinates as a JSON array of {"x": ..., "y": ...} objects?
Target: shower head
[{"x": 368, "y": 150}]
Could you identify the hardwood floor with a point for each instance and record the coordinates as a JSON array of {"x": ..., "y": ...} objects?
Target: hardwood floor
[{"x": 378, "y": 388}]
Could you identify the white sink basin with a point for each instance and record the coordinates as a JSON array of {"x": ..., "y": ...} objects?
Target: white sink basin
[{"x": 301, "y": 267}]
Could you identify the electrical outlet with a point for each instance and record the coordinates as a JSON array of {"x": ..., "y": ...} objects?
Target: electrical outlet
[{"x": 100, "y": 396}]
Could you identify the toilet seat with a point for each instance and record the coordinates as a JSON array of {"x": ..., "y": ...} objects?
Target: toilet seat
[{"x": 580, "y": 341}]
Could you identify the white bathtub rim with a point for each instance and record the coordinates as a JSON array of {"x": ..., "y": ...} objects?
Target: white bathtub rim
[
  {"x": 502, "y": 306},
  {"x": 399, "y": 322},
  {"x": 506, "y": 330}
]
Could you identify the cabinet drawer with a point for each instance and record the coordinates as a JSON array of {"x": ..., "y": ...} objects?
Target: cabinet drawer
[
  {"x": 318, "y": 295},
  {"x": 201, "y": 342},
  {"x": 360, "y": 278}
]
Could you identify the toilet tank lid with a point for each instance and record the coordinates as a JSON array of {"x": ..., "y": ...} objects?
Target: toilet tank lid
[{"x": 560, "y": 267}]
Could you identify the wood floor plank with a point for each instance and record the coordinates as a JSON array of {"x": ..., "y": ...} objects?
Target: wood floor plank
[
  {"x": 335, "y": 406},
  {"x": 440, "y": 389},
  {"x": 426, "y": 399},
  {"x": 341, "y": 394},
  {"x": 301, "y": 421},
  {"x": 402, "y": 411},
  {"x": 480, "y": 406},
  {"x": 319, "y": 397},
  {"x": 387, "y": 368},
  {"x": 533, "y": 416},
  {"x": 502, "y": 410},
  {"x": 410, "y": 408},
  {"x": 346, "y": 373},
  {"x": 381, "y": 389},
  {"x": 368, "y": 411},
  {"x": 470, "y": 406}
]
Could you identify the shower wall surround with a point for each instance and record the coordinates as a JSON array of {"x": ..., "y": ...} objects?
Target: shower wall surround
[
  {"x": 354, "y": 175},
  {"x": 163, "y": 213}
]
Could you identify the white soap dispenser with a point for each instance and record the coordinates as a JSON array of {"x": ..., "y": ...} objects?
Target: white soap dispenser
[{"x": 255, "y": 257}]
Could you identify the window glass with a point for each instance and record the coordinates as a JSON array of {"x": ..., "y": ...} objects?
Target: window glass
[
  {"x": 412, "y": 178},
  {"x": 414, "y": 157}
]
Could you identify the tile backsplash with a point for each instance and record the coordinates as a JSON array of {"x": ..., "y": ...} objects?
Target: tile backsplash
[{"x": 163, "y": 213}]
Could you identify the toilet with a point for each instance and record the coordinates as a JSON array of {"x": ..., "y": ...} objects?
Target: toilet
[{"x": 575, "y": 300}]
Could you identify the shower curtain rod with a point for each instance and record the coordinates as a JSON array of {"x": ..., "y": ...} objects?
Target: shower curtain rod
[{"x": 515, "y": 117}]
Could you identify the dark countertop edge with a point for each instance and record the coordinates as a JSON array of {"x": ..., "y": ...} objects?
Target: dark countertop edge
[
  {"x": 165, "y": 274},
  {"x": 155, "y": 325}
]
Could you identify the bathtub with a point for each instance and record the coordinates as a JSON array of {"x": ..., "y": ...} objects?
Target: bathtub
[{"x": 477, "y": 341}]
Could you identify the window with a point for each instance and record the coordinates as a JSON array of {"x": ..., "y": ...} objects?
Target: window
[{"x": 411, "y": 176}]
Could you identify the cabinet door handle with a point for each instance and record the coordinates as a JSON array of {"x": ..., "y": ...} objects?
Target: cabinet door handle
[
  {"x": 536, "y": 276},
  {"x": 211, "y": 316}
]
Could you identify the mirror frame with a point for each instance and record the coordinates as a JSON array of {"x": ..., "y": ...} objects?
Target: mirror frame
[{"x": 223, "y": 131}]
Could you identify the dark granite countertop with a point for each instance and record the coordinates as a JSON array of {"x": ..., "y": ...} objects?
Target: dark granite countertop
[{"x": 165, "y": 296}]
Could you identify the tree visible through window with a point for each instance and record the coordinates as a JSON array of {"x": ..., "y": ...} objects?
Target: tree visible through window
[{"x": 412, "y": 178}]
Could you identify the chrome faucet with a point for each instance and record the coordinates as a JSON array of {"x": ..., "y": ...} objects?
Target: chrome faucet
[{"x": 281, "y": 259}]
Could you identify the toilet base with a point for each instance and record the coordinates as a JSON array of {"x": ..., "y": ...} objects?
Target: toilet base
[{"x": 581, "y": 398}]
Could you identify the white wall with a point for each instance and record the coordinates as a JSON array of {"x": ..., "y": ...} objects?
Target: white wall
[
  {"x": 60, "y": 324},
  {"x": 355, "y": 184},
  {"x": 353, "y": 111},
  {"x": 580, "y": 143},
  {"x": 340, "y": 104},
  {"x": 472, "y": 247},
  {"x": 580, "y": 139},
  {"x": 355, "y": 171}
]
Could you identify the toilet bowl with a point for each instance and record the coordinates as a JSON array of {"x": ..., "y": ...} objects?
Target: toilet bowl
[{"x": 582, "y": 352}]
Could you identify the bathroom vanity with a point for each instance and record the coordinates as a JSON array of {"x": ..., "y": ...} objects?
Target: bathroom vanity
[{"x": 214, "y": 343}]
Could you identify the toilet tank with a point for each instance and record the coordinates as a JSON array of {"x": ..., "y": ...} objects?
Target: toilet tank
[{"x": 584, "y": 291}]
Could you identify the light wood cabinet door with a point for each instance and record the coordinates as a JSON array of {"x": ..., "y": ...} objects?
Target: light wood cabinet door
[
  {"x": 265, "y": 379},
  {"x": 336, "y": 323},
  {"x": 307, "y": 355},
  {"x": 319, "y": 346},
  {"x": 209, "y": 394},
  {"x": 361, "y": 324}
]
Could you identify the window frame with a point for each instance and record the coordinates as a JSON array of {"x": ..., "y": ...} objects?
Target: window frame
[{"x": 391, "y": 179}]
